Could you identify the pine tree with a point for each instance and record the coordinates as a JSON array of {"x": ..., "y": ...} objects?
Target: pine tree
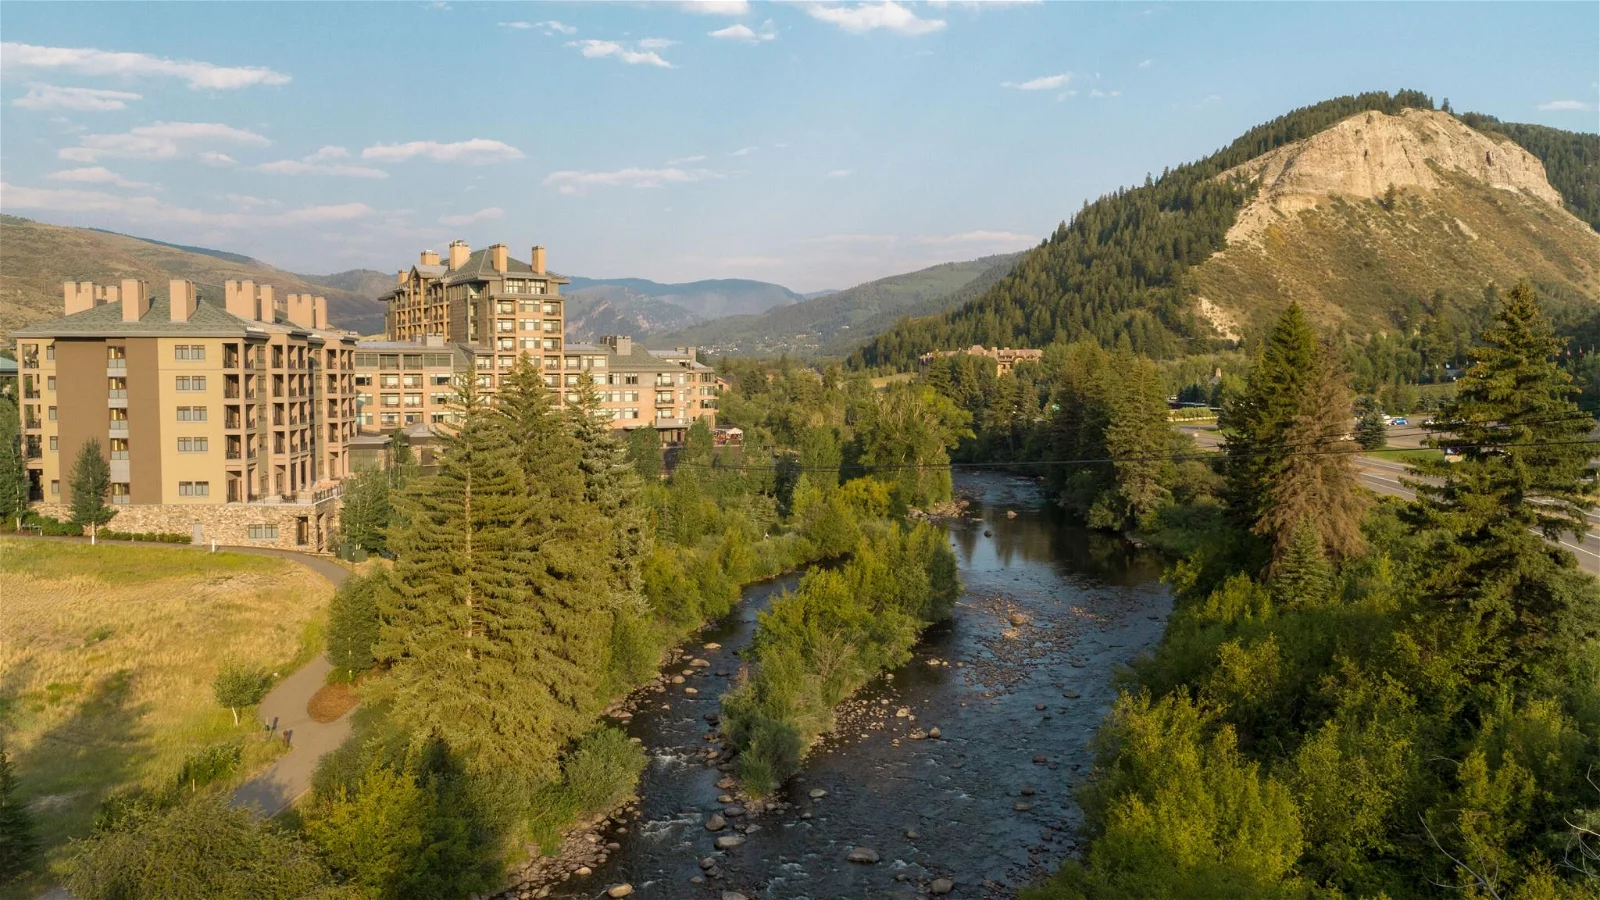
[
  {"x": 91, "y": 485},
  {"x": 697, "y": 446},
  {"x": 456, "y": 631},
  {"x": 1524, "y": 477},
  {"x": 612, "y": 488},
  {"x": 366, "y": 509},
  {"x": 18, "y": 841},
  {"x": 1256, "y": 423},
  {"x": 1371, "y": 431},
  {"x": 1303, "y": 576},
  {"x": 13, "y": 471},
  {"x": 1138, "y": 436},
  {"x": 644, "y": 451}
]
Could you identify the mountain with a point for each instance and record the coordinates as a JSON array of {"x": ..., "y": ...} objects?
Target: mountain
[
  {"x": 835, "y": 322},
  {"x": 361, "y": 282},
  {"x": 36, "y": 257},
  {"x": 709, "y": 299},
  {"x": 1296, "y": 209}
]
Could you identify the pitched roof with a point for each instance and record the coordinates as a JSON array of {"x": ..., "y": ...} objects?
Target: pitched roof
[
  {"x": 480, "y": 267},
  {"x": 207, "y": 320}
]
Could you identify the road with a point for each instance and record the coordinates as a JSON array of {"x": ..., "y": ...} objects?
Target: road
[{"x": 1382, "y": 476}]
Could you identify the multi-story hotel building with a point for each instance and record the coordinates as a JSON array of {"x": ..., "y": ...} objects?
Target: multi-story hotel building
[{"x": 225, "y": 421}]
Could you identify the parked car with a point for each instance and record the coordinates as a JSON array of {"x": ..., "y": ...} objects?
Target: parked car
[{"x": 1400, "y": 420}]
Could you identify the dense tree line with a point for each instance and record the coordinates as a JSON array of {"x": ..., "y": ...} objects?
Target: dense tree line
[
  {"x": 1397, "y": 712},
  {"x": 1571, "y": 160},
  {"x": 1117, "y": 269}
]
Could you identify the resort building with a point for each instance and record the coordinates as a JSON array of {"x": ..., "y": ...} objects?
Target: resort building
[
  {"x": 1006, "y": 358},
  {"x": 667, "y": 390},
  {"x": 222, "y": 417}
]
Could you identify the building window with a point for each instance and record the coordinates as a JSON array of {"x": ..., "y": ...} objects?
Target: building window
[
  {"x": 263, "y": 532},
  {"x": 550, "y": 325},
  {"x": 194, "y": 489},
  {"x": 389, "y": 419},
  {"x": 50, "y": 413},
  {"x": 413, "y": 400},
  {"x": 119, "y": 448},
  {"x": 550, "y": 381},
  {"x": 572, "y": 381},
  {"x": 191, "y": 414},
  {"x": 119, "y": 493},
  {"x": 55, "y": 486},
  {"x": 508, "y": 344},
  {"x": 50, "y": 382},
  {"x": 506, "y": 306},
  {"x": 529, "y": 324},
  {"x": 628, "y": 414},
  {"x": 552, "y": 309},
  {"x": 505, "y": 325},
  {"x": 194, "y": 445},
  {"x": 191, "y": 383},
  {"x": 391, "y": 399},
  {"x": 189, "y": 351},
  {"x": 50, "y": 351}
]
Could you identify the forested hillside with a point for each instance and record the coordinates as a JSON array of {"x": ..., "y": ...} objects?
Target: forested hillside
[
  {"x": 1124, "y": 265},
  {"x": 1571, "y": 160}
]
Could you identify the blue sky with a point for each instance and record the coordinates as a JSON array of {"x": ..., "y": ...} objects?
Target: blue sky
[{"x": 813, "y": 144}]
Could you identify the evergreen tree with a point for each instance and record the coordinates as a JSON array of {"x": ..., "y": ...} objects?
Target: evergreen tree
[
  {"x": 1524, "y": 476},
  {"x": 365, "y": 510},
  {"x": 91, "y": 485},
  {"x": 612, "y": 488},
  {"x": 644, "y": 451},
  {"x": 1255, "y": 423},
  {"x": 697, "y": 446},
  {"x": 17, "y": 839},
  {"x": 13, "y": 471},
  {"x": 1138, "y": 437},
  {"x": 353, "y": 621},
  {"x": 1371, "y": 431},
  {"x": 1303, "y": 577}
]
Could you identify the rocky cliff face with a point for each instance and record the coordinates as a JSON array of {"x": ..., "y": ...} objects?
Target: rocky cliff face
[{"x": 1366, "y": 154}]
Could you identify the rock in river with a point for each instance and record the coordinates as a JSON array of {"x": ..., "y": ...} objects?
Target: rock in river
[
  {"x": 941, "y": 886},
  {"x": 863, "y": 855},
  {"x": 621, "y": 890},
  {"x": 716, "y": 822},
  {"x": 729, "y": 841}
]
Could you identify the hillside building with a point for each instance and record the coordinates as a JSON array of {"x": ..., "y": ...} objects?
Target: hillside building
[
  {"x": 1006, "y": 358},
  {"x": 226, "y": 421}
]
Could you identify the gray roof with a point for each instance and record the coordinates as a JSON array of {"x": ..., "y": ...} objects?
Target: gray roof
[
  {"x": 480, "y": 267},
  {"x": 431, "y": 271},
  {"x": 207, "y": 320},
  {"x": 461, "y": 353}
]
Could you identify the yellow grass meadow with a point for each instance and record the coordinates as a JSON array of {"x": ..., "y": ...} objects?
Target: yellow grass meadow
[{"x": 107, "y": 655}]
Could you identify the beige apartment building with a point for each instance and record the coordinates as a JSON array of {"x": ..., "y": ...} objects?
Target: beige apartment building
[
  {"x": 1005, "y": 358},
  {"x": 222, "y": 417},
  {"x": 665, "y": 389}
]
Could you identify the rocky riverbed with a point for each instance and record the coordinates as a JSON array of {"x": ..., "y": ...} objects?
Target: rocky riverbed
[{"x": 949, "y": 776}]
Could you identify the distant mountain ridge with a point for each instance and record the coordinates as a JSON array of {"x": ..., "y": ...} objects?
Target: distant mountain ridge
[{"x": 835, "y": 322}]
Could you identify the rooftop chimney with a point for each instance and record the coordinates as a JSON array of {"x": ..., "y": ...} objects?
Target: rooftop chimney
[
  {"x": 459, "y": 251},
  {"x": 181, "y": 297},
  {"x": 536, "y": 259},
  {"x": 319, "y": 312},
  {"x": 430, "y": 258},
  {"x": 267, "y": 307},
  {"x": 300, "y": 310},
  {"x": 239, "y": 298},
  {"x": 135, "y": 299},
  {"x": 620, "y": 344},
  {"x": 498, "y": 256},
  {"x": 400, "y": 278},
  {"x": 78, "y": 296}
]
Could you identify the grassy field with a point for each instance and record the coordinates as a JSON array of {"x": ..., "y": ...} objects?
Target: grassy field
[{"x": 107, "y": 662}]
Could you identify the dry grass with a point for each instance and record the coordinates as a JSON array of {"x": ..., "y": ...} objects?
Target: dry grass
[
  {"x": 108, "y": 655},
  {"x": 332, "y": 701}
]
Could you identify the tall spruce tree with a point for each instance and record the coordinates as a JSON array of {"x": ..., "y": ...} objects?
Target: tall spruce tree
[
  {"x": 644, "y": 452},
  {"x": 1494, "y": 583},
  {"x": 1138, "y": 437},
  {"x": 612, "y": 487},
  {"x": 91, "y": 485},
  {"x": 459, "y": 630},
  {"x": 13, "y": 471}
]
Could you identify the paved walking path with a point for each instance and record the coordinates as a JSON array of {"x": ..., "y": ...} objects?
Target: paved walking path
[{"x": 274, "y": 790}]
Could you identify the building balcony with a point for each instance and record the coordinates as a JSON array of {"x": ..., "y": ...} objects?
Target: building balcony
[{"x": 119, "y": 426}]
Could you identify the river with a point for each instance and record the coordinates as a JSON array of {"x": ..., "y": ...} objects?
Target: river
[{"x": 987, "y": 804}]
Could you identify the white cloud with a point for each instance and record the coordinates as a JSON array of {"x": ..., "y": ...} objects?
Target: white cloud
[
  {"x": 569, "y": 181},
  {"x": 147, "y": 210},
  {"x": 248, "y": 202},
  {"x": 163, "y": 140},
  {"x": 554, "y": 27},
  {"x": 216, "y": 160},
  {"x": 482, "y": 215},
  {"x": 96, "y": 175},
  {"x": 324, "y": 154},
  {"x": 308, "y": 167},
  {"x": 656, "y": 43},
  {"x": 1042, "y": 83},
  {"x": 840, "y": 173},
  {"x": 716, "y": 7},
  {"x": 1566, "y": 106},
  {"x": 744, "y": 151},
  {"x": 474, "y": 152},
  {"x": 593, "y": 49},
  {"x": 50, "y": 96},
  {"x": 1147, "y": 64},
  {"x": 744, "y": 34},
  {"x": 980, "y": 4},
  {"x": 699, "y": 157},
  {"x": 519, "y": 26},
  {"x": 865, "y": 17},
  {"x": 1096, "y": 92},
  {"x": 89, "y": 61}
]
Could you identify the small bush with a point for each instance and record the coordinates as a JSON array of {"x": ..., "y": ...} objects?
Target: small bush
[
  {"x": 238, "y": 686},
  {"x": 209, "y": 765},
  {"x": 154, "y": 537}
]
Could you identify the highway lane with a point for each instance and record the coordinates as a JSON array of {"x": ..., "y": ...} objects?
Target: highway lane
[{"x": 1383, "y": 476}]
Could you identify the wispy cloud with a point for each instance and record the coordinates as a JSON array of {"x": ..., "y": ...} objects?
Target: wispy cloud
[
  {"x": 841, "y": 173},
  {"x": 549, "y": 27},
  {"x": 1096, "y": 92},
  {"x": 744, "y": 151},
  {"x": 215, "y": 159},
  {"x": 570, "y": 181},
  {"x": 1147, "y": 63},
  {"x": 321, "y": 162},
  {"x": 96, "y": 175},
  {"x": 645, "y": 56},
  {"x": 1566, "y": 106},
  {"x": 864, "y": 17},
  {"x": 146, "y": 209},
  {"x": 656, "y": 43},
  {"x": 49, "y": 96},
  {"x": 201, "y": 76},
  {"x": 482, "y": 215},
  {"x": 474, "y": 152},
  {"x": 698, "y": 157},
  {"x": 516, "y": 26},
  {"x": 1042, "y": 83},
  {"x": 743, "y": 33},
  {"x": 163, "y": 140},
  {"x": 716, "y": 7}
]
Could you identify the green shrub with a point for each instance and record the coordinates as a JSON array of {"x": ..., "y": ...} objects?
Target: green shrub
[
  {"x": 155, "y": 537},
  {"x": 238, "y": 686},
  {"x": 208, "y": 765},
  {"x": 353, "y": 621}
]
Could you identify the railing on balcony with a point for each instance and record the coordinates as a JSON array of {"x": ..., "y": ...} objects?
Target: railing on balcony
[
  {"x": 119, "y": 426},
  {"x": 117, "y": 364},
  {"x": 117, "y": 394}
]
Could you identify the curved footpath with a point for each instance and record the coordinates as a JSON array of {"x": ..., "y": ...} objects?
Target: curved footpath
[{"x": 272, "y": 791}]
